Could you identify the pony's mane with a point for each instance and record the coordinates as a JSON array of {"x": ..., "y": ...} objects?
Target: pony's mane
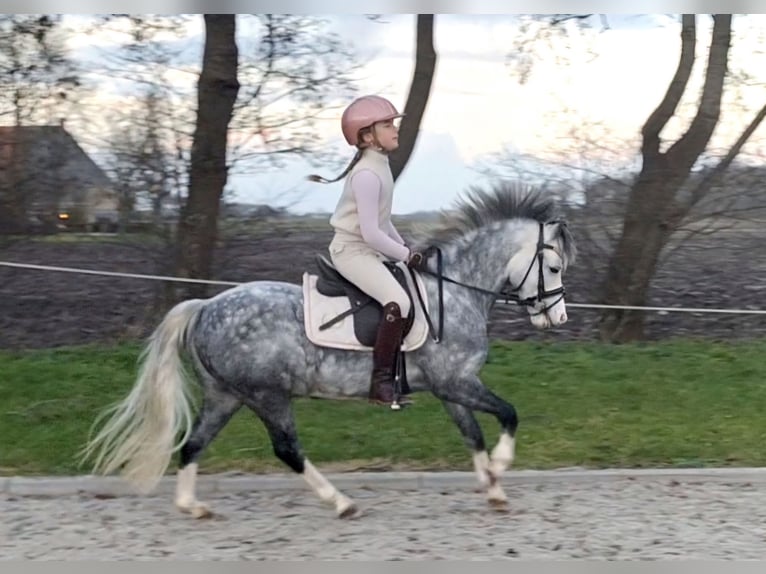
[{"x": 502, "y": 201}]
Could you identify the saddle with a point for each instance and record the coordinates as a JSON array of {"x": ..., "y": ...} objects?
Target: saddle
[{"x": 366, "y": 311}]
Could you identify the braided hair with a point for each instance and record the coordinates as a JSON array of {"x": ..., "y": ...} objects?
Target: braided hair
[
  {"x": 349, "y": 167},
  {"x": 357, "y": 156}
]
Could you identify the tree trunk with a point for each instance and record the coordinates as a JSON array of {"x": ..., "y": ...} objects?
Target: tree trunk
[
  {"x": 217, "y": 92},
  {"x": 653, "y": 210},
  {"x": 634, "y": 260},
  {"x": 420, "y": 89}
]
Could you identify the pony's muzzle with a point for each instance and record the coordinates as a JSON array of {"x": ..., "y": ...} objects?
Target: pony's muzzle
[
  {"x": 546, "y": 317},
  {"x": 557, "y": 315}
]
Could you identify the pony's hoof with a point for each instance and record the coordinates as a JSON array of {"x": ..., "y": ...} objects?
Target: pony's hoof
[
  {"x": 196, "y": 509},
  {"x": 201, "y": 511},
  {"x": 349, "y": 512},
  {"x": 496, "y": 498}
]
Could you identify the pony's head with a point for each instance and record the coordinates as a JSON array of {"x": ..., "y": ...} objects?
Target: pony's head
[
  {"x": 543, "y": 245},
  {"x": 535, "y": 272}
]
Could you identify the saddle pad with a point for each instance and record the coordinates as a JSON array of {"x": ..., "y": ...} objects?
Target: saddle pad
[{"x": 318, "y": 309}]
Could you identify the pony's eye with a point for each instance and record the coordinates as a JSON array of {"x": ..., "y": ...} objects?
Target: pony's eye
[{"x": 555, "y": 270}]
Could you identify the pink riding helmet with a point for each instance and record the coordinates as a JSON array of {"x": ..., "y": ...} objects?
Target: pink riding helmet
[{"x": 362, "y": 113}]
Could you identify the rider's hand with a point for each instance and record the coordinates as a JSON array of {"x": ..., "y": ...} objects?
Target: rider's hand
[{"x": 415, "y": 260}]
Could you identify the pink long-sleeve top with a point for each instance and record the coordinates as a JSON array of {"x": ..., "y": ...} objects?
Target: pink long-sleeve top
[{"x": 365, "y": 185}]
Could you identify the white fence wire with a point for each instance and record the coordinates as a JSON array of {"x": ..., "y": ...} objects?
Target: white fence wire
[{"x": 233, "y": 283}]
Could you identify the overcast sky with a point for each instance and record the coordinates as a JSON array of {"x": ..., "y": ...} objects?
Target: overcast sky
[{"x": 478, "y": 107}]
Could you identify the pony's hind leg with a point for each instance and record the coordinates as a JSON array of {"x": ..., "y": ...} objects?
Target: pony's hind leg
[
  {"x": 217, "y": 409},
  {"x": 277, "y": 417}
]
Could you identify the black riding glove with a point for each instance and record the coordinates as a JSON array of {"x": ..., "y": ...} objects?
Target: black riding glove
[{"x": 416, "y": 260}]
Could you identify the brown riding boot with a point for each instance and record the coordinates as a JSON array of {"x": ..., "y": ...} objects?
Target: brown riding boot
[{"x": 388, "y": 342}]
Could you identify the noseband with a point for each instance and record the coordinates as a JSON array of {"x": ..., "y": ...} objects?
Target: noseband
[{"x": 507, "y": 292}]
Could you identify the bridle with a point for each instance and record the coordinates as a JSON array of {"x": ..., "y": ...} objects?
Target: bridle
[
  {"x": 508, "y": 292},
  {"x": 542, "y": 293}
]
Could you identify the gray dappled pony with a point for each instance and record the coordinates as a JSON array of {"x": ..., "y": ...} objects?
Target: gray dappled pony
[{"x": 248, "y": 347}]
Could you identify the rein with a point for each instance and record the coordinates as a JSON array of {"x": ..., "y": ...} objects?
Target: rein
[{"x": 504, "y": 292}]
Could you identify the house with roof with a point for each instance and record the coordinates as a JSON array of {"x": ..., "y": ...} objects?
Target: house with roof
[{"x": 47, "y": 178}]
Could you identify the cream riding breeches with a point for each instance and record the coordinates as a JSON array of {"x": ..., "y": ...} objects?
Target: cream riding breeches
[{"x": 364, "y": 268}]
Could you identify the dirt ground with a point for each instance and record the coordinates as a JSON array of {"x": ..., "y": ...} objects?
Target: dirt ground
[
  {"x": 621, "y": 519},
  {"x": 47, "y": 309}
]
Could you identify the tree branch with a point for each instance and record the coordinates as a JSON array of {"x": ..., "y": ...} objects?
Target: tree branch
[
  {"x": 711, "y": 178},
  {"x": 420, "y": 89},
  {"x": 684, "y": 152},
  {"x": 665, "y": 110}
]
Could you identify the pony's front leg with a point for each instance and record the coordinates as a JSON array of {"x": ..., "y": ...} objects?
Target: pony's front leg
[
  {"x": 470, "y": 392},
  {"x": 503, "y": 453},
  {"x": 473, "y": 437}
]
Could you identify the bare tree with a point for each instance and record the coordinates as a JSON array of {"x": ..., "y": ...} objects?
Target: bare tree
[
  {"x": 420, "y": 91},
  {"x": 293, "y": 70},
  {"x": 218, "y": 88},
  {"x": 36, "y": 78},
  {"x": 667, "y": 192},
  {"x": 36, "y": 73},
  {"x": 589, "y": 168},
  {"x": 144, "y": 169},
  {"x": 289, "y": 71},
  {"x": 656, "y": 207},
  {"x": 146, "y": 143}
]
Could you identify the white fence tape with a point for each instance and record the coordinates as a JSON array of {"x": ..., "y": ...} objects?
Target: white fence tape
[
  {"x": 232, "y": 283},
  {"x": 114, "y": 273}
]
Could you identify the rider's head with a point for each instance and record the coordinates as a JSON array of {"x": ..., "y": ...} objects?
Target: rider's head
[{"x": 367, "y": 122}]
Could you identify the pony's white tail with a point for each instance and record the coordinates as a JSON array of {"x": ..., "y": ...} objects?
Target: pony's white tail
[{"x": 140, "y": 436}]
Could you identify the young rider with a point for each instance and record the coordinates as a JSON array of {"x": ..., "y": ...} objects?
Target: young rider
[{"x": 364, "y": 234}]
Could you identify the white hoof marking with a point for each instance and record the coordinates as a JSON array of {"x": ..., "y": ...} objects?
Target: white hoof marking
[
  {"x": 186, "y": 500},
  {"x": 502, "y": 454},
  {"x": 326, "y": 491},
  {"x": 495, "y": 493},
  {"x": 481, "y": 465}
]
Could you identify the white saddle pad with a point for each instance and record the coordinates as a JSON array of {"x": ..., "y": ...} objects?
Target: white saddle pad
[{"x": 318, "y": 309}]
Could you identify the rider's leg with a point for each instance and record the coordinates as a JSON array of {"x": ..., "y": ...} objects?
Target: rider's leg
[
  {"x": 366, "y": 270},
  {"x": 387, "y": 343}
]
